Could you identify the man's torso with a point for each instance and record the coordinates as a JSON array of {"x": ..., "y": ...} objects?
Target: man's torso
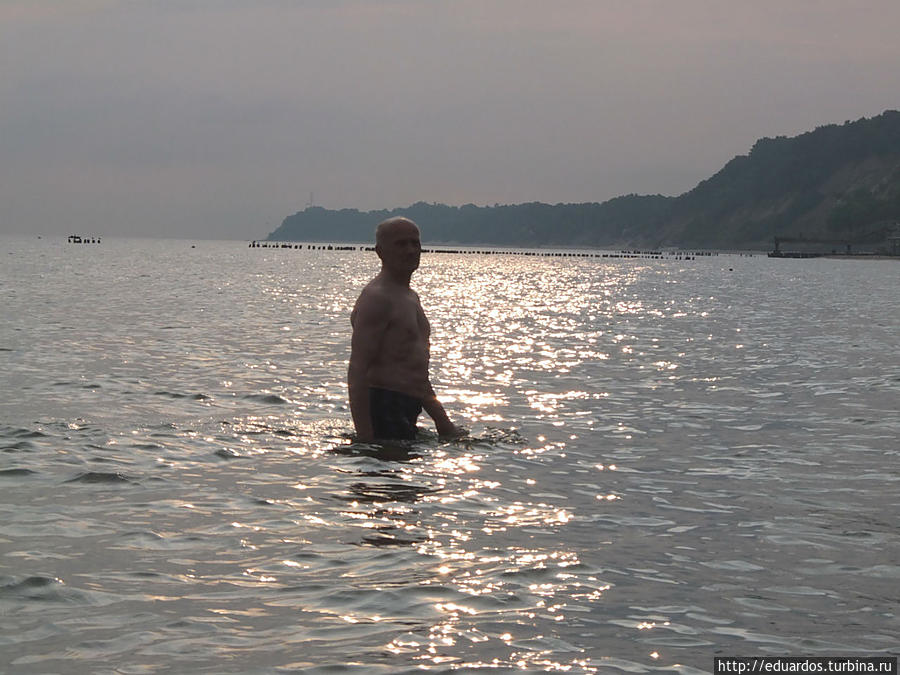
[{"x": 401, "y": 363}]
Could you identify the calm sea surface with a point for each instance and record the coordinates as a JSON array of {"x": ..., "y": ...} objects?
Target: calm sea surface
[{"x": 669, "y": 461}]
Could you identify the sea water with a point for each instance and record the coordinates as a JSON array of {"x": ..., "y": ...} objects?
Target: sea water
[{"x": 668, "y": 460}]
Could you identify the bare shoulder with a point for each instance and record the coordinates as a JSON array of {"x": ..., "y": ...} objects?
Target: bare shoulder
[{"x": 373, "y": 301}]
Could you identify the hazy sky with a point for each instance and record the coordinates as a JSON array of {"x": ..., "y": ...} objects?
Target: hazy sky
[{"x": 218, "y": 118}]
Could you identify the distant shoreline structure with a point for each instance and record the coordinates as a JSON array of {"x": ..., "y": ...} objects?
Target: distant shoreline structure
[
  {"x": 79, "y": 239},
  {"x": 560, "y": 252},
  {"x": 881, "y": 244}
]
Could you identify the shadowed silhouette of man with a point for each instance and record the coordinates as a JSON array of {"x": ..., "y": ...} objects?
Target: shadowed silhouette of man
[{"x": 388, "y": 378}]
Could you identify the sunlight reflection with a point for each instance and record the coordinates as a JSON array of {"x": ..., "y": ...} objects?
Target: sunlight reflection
[
  {"x": 259, "y": 576},
  {"x": 457, "y": 465},
  {"x": 454, "y": 608},
  {"x": 479, "y": 405},
  {"x": 528, "y": 514},
  {"x": 542, "y": 350}
]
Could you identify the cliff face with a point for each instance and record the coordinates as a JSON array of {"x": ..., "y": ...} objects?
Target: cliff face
[
  {"x": 839, "y": 181},
  {"x": 836, "y": 181}
]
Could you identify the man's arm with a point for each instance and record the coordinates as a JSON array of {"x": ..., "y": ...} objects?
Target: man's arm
[
  {"x": 369, "y": 320},
  {"x": 436, "y": 411}
]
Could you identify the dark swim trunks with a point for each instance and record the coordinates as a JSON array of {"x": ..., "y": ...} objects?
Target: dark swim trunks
[{"x": 393, "y": 414}]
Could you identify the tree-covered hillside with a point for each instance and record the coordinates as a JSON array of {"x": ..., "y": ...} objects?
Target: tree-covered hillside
[
  {"x": 534, "y": 224},
  {"x": 838, "y": 181}
]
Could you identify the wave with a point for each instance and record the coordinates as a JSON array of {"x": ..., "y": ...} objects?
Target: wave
[
  {"x": 101, "y": 477},
  {"x": 6, "y": 473},
  {"x": 177, "y": 395},
  {"x": 273, "y": 399}
]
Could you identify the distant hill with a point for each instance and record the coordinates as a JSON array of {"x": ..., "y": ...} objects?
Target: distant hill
[{"x": 837, "y": 182}]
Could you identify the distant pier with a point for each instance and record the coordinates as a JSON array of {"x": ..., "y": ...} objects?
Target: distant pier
[
  {"x": 622, "y": 254},
  {"x": 881, "y": 242}
]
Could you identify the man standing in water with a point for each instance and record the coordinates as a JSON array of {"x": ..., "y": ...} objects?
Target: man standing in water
[{"x": 388, "y": 374}]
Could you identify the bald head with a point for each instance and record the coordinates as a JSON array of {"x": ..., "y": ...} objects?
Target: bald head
[
  {"x": 389, "y": 227},
  {"x": 398, "y": 245}
]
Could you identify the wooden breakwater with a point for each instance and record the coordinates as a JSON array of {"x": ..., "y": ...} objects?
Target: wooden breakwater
[{"x": 541, "y": 253}]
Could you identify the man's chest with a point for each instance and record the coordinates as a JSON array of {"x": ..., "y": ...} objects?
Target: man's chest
[{"x": 408, "y": 318}]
